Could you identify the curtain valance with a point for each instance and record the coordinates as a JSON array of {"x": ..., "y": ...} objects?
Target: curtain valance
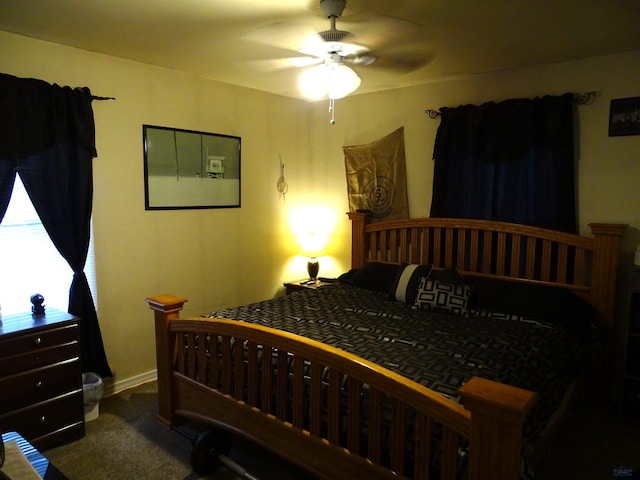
[
  {"x": 496, "y": 132},
  {"x": 511, "y": 161},
  {"x": 36, "y": 116}
]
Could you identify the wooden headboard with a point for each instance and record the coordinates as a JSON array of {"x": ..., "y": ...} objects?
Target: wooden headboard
[{"x": 586, "y": 265}]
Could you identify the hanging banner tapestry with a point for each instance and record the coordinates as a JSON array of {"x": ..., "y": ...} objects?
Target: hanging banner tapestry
[{"x": 377, "y": 177}]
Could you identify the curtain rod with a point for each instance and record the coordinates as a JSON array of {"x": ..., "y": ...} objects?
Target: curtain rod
[
  {"x": 580, "y": 98},
  {"x": 94, "y": 97}
]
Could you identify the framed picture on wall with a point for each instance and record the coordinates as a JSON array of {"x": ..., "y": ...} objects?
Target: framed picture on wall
[
  {"x": 624, "y": 117},
  {"x": 190, "y": 169}
]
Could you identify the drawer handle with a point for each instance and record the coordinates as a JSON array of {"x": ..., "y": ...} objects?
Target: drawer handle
[
  {"x": 43, "y": 419},
  {"x": 38, "y": 341},
  {"x": 39, "y": 384}
]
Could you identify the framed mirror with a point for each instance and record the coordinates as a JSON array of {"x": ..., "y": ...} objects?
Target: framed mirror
[{"x": 190, "y": 169}]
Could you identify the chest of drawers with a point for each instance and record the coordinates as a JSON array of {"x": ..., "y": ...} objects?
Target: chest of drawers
[{"x": 41, "y": 377}]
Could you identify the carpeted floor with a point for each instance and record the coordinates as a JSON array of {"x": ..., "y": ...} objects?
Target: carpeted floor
[
  {"x": 592, "y": 445},
  {"x": 126, "y": 442}
]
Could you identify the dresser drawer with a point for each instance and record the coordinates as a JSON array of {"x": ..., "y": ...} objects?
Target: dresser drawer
[
  {"x": 37, "y": 340},
  {"x": 33, "y": 386},
  {"x": 43, "y": 418},
  {"x": 38, "y": 358},
  {"x": 66, "y": 434}
]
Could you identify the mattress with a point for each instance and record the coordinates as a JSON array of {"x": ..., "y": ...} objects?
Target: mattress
[{"x": 437, "y": 350}]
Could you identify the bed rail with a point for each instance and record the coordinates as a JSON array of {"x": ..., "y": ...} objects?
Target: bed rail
[
  {"x": 586, "y": 265},
  {"x": 310, "y": 402}
]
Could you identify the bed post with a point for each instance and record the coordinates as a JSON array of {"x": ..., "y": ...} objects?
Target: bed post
[
  {"x": 166, "y": 308},
  {"x": 498, "y": 412},
  {"x": 606, "y": 252},
  {"x": 359, "y": 220}
]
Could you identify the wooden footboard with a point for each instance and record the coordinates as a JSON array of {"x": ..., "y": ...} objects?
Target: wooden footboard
[{"x": 332, "y": 413}]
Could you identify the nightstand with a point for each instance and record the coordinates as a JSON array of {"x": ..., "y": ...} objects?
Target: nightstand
[{"x": 302, "y": 285}]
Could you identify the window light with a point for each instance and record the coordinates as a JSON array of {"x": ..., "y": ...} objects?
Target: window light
[{"x": 29, "y": 261}]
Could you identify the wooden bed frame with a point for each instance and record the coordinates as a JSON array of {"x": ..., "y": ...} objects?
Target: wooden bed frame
[{"x": 285, "y": 413}]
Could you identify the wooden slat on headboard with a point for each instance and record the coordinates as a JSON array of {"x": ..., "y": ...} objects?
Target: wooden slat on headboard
[{"x": 586, "y": 265}]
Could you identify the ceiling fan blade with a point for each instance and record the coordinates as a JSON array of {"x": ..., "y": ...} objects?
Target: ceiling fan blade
[
  {"x": 391, "y": 63},
  {"x": 313, "y": 45},
  {"x": 286, "y": 35},
  {"x": 382, "y": 31},
  {"x": 275, "y": 64},
  {"x": 361, "y": 38}
]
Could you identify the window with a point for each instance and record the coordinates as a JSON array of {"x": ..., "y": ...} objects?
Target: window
[
  {"x": 511, "y": 161},
  {"x": 30, "y": 263}
]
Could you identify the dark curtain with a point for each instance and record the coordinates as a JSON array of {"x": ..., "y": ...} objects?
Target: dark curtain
[
  {"x": 510, "y": 161},
  {"x": 47, "y": 136}
]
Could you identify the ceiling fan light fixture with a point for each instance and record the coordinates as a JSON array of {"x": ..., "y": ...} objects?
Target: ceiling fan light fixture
[
  {"x": 342, "y": 81},
  {"x": 314, "y": 82},
  {"x": 333, "y": 79}
]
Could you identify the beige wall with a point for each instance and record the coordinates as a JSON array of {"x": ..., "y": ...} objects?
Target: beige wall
[
  {"x": 224, "y": 257},
  {"x": 608, "y": 167},
  {"x": 217, "y": 257}
]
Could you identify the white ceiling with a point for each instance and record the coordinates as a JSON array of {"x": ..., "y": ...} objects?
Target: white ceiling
[{"x": 217, "y": 38}]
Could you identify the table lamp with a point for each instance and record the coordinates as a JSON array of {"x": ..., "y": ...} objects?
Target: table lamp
[{"x": 312, "y": 246}]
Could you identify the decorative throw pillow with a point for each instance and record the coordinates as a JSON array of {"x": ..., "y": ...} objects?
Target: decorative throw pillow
[
  {"x": 405, "y": 285},
  {"x": 437, "y": 296}
]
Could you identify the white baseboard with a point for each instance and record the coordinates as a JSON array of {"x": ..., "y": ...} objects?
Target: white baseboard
[{"x": 112, "y": 387}]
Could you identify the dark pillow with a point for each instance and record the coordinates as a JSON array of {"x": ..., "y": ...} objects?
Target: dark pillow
[
  {"x": 434, "y": 295},
  {"x": 376, "y": 276},
  {"x": 405, "y": 285},
  {"x": 347, "y": 277},
  {"x": 448, "y": 275},
  {"x": 543, "y": 302}
]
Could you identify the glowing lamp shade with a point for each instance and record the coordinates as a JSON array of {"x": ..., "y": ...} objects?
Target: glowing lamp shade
[
  {"x": 334, "y": 80},
  {"x": 312, "y": 244}
]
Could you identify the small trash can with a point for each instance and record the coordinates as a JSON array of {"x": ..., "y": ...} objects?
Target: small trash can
[{"x": 92, "y": 391}]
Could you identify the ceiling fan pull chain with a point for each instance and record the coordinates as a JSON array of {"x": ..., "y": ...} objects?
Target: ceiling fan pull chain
[{"x": 332, "y": 110}]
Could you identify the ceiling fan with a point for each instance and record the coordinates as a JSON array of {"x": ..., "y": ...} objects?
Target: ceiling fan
[
  {"x": 330, "y": 45},
  {"x": 330, "y": 54}
]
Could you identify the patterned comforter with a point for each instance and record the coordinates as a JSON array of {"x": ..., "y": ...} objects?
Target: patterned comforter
[{"x": 439, "y": 351}]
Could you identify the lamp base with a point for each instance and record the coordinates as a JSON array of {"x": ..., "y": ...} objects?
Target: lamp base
[{"x": 313, "y": 267}]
